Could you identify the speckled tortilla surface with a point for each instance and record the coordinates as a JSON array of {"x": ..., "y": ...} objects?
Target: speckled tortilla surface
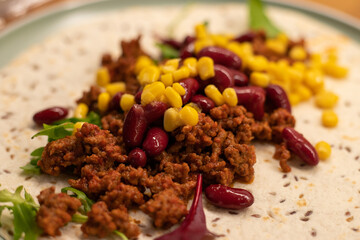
[{"x": 321, "y": 202}]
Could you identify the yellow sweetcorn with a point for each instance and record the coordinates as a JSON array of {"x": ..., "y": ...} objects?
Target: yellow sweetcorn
[
  {"x": 189, "y": 115},
  {"x": 326, "y": 99},
  {"x": 102, "y": 77},
  {"x": 173, "y": 97},
  {"x": 329, "y": 118},
  {"x": 170, "y": 65},
  {"x": 334, "y": 70},
  {"x": 202, "y": 43},
  {"x": 149, "y": 74},
  {"x": 152, "y": 92},
  {"x": 127, "y": 101},
  {"x": 113, "y": 88},
  {"x": 315, "y": 61},
  {"x": 201, "y": 31},
  {"x": 141, "y": 62},
  {"x": 194, "y": 106},
  {"x": 179, "y": 89},
  {"x": 260, "y": 79},
  {"x": 77, "y": 126},
  {"x": 323, "y": 149},
  {"x": 190, "y": 63},
  {"x": 299, "y": 66},
  {"x": 298, "y": 53},
  {"x": 181, "y": 73},
  {"x": 276, "y": 46},
  {"x": 230, "y": 97},
  {"x": 205, "y": 68},
  {"x": 167, "y": 79},
  {"x": 81, "y": 110},
  {"x": 172, "y": 119},
  {"x": 258, "y": 63},
  {"x": 294, "y": 99},
  {"x": 214, "y": 94},
  {"x": 103, "y": 101},
  {"x": 304, "y": 92},
  {"x": 283, "y": 38},
  {"x": 314, "y": 79},
  {"x": 219, "y": 40},
  {"x": 295, "y": 75}
]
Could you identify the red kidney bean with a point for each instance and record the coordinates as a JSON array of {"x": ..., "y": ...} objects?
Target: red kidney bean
[
  {"x": 155, "y": 142},
  {"x": 240, "y": 79},
  {"x": 247, "y": 37},
  {"x": 50, "y": 115},
  {"x": 253, "y": 99},
  {"x": 298, "y": 144},
  {"x": 155, "y": 111},
  {"x": 278, "y": 97},
  {"x": 187, "y": 51},
  {"x": 138, "y": 97},
  {"x": 115, "y": 102},
  {"x": 223, "y": 77},
  {"x": 227, "y": 197},
  {"x": 191, "y": 86},
  {"x": 188, "y": 39},
  {"x": 203, "y": 102},
  {"x": 171, "y": 42},
  {"x": 135, "y": 125},
  {"x": 221, "y": 56},
  {"x": 137, "y": 158}
]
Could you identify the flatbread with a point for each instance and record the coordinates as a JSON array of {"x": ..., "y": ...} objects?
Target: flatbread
[{"x": 321, "y": 202}]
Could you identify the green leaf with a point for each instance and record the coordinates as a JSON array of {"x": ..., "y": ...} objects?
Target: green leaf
[
  {"x": 37, "y": 152},
  {"x": 24, "y": 210},
  {"x": 258, "y": 20},
  {"x": 55, "y": 132},
  {"x": 79, "y": 218},
  {"x": 92, "y": 118},
  {"x": 87, "y": 202},
  {"x": 167, "y": 51},
  {"x": 120, "y": 234},
  {"x": 31, "y": 169}
]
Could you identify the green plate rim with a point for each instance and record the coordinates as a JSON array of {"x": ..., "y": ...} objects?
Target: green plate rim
[{"x": 34, "y": 29}]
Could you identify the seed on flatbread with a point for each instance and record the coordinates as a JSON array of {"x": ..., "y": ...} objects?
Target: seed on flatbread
[
  {"x": 305, "y": 219},
  {"x": 308, "y": 213},
  {"x": 256, "y": 215}
]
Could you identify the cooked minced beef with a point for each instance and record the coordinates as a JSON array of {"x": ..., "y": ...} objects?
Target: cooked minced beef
[{"x": 55, "y": 210}]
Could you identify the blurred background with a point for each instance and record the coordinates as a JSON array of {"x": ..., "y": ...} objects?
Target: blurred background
[{"x": 13, "y": 10}]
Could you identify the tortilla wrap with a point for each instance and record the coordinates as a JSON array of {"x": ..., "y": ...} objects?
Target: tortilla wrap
[{"x": 321, "y": 202}]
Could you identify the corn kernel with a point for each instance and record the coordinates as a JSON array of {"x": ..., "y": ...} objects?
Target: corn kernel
[
  {"x": 219, "y": 40},
  {"x": 77, "y": 126},
  {"x": 181, "y": 73},
  {"x": 214, "y": 94},
  {"x": 296, "y": 76},
  {"x": 298, "y": 53},
  {"x": 329, "y": 118},
  {"x": 303, "y": 92},
  {"x": 170, "y": 65},
  {"x": 114, "y": 88},
  {"x": 299, "y": 66},
  {"x": 276, "y": 46},
  {"x": 179, "y": 89},
  {"x": 171, "y": 119},
  {"x": 173, "y": 97},
  {"x": 81, "y": 110},
  {"x": 323, "y": 149},
  {"x": 167, "y": 79},
  {"x": 294, "y": 99},
  {"x": 260, "y": 79},
  {"x": 102, "y": 77},
  {"x": 127, "y": 101},
  {"x": 200, "y": 31},
  {"x": 205, "y": 68},
  {"x": 141, "y": 62},
  {"x": 258, "y": 63},
  {"x": 230, "y": 97},
  {"x": 326, "y": 99},
  {"x": 314, "y": 79},
  {"x": 334, "y": 70},
  {"x": 103, "y": 101},
  {"x": 202, "y": 43},
  {"x": 152, "y": 92},
  {"x": 190, "y": 63},
  {"x": 148, "y": 75},
  {"x": 195, "y": 106},
  {"x": 189, "y": 116},
  {"x": 282, "y": 37}
]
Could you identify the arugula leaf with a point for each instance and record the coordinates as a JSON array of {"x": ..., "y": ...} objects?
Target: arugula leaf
[
  {"x": 86, "y": 202},
  {"x": 24, "y": 210},
  {"x": 32, "y": 168},
  {"x": 55, "y": 132},
  {"x": 167, "y": 51},
  {"x": 258, "y": 19},
  {"x": 92, "y": 117},
  {"x": 79, "y": 218},
  {"x": 37, "y": 152},
  {"x": 120, "y": 234}
]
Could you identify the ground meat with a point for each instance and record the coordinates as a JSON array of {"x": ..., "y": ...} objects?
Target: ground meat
[
  {"x": 283, "y": 155},
  {"x": 261, "y": 130},
  {"x": 101, "y": 222},
  {"x": 165, "y": 208},
  {"x": 131, "y": 175},
  {"x": 61, "y": 154},
  {"x": 113, "y": 122},
  {"x": 55, "y": 210},
  {"x": 242, "y": 158},
  {"x": 90, "y": 97},
  {"x": 278, "y": 120},
  {"x": 123, "y": 195}
]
